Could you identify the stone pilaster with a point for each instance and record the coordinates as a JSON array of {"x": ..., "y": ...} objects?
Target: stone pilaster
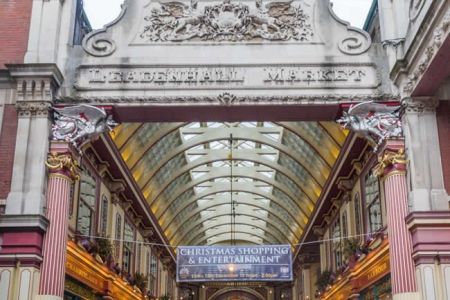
[
  {"x": 24, "y": 224},
  {"x": 392, "y": 169},
  {"x": 36, "y": 87},
  {"x": 427, "y": 191},
  {"x": 63, "y": 169}
]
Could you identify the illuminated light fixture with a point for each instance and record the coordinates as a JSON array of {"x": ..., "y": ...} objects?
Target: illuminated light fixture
[{"x": 231, "y": 268}]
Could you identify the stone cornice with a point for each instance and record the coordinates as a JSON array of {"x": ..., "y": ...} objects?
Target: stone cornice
[
  {"x": 49, "y": 71},
  {"x": 13, "y": 222}
]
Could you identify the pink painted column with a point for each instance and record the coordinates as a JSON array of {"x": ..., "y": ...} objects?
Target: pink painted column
[
  {"x": 62, "y": 171},
  {"x": 392, "y": 169}
]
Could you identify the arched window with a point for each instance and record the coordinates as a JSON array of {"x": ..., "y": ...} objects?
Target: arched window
[
  {"x": 86, "y": 205},
  {"x": 118, "y": 236},
  {"x": 128, "y": 248},
  {"x": 373, "y": 202},
  {"x": 104, "y": 216}
]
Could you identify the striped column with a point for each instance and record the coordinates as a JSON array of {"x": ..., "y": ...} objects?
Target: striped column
[
  {"x": 392, "y": 168},
  {"x": 62, "y": 171}
]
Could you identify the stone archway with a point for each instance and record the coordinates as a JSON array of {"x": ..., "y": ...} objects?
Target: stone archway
[{"x": 236, "y": 294}]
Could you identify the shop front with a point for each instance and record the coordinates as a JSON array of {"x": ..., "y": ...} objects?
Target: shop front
[
  {"x": 368, "y": 279},
  {"x": 88, "y": 279}
]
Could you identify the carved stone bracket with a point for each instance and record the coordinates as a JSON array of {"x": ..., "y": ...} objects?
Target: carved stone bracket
[
  {"x": 373, "y": 121},
  {"x": 63, "y": 164},
  {"x": 80, "y": 124},
  {"x": 420, "y": 104}
]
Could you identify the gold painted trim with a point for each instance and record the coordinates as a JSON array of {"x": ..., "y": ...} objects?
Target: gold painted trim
[
  {"x": 63, "y": 162},
  {"x": 389, "y": 159}
]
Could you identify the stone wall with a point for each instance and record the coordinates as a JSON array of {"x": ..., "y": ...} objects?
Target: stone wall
[{"x": 443, "y": 120}]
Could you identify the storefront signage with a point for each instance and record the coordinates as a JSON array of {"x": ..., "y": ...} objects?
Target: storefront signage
[
  {"x": 234, "y": 77},
  {"x": 83, "y": 275},
  {"x": 234, "y": 263}
]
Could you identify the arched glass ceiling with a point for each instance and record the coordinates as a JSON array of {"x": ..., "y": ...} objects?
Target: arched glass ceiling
[{"x": 190, "y": 174}]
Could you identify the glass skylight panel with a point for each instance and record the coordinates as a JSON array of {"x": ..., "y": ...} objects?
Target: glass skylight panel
[
  {"x": 249, "y": 124},
  {"x": 194, "y": 157},
  {"x": 271, "y": 157},
  {"x": 188, "y": 137},
  {"x": 214, "y": 124},
  {"x": 273, "y": 136},
  {"x": 193, "y": 125},
  {"x": 268, "y": 174},
  {"x": 197, "y": 175}
]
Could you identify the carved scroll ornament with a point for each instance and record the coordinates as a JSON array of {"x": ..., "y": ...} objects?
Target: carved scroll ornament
[
  {"x": 373, "y": 121},
  {"x": 175, "y": 21},
  {"x": 391, "y": 160},
  {"x": 79, "y": 124},
  {"x": 64, "y": 164}
]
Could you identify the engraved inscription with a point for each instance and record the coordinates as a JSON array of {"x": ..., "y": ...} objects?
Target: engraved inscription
[
  {"x": 281, "y": 75},
  {"x": 180, "y": 76},
  {"x": 229, "y": 77}
]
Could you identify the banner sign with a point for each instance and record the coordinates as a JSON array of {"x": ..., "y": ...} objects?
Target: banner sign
[{"x": 234, "y": 263}]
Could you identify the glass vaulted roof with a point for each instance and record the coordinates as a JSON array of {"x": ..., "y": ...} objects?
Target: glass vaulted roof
[{"x": 220, "y": 183}]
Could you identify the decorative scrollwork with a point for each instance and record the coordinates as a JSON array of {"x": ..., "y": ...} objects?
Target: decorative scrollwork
[
  {"x": 373, "y": 121},
  {"x": 97, "y": 43},
  {"x": 355, "y": 44},
  {"x": 175, "y": 21},
  {"x": 99, "y": 46},
  {"x": 394, "y": 160},
  {"x": 64, "y": 164},
  {"x": 81, "y": 123}
]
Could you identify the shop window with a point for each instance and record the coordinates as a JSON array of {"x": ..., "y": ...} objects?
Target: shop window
[
  {"x": 118, "y": 236},
  {"x": 86, "y": 205},
  {"x": 373, "y": 202},
  {"x": 104, "y": 216},
  {"x": 128, "y": 248}
]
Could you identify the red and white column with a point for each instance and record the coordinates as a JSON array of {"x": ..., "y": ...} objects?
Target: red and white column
[
  {"x": 392, "y": 168},
  {"x": 62, "y": 171}
]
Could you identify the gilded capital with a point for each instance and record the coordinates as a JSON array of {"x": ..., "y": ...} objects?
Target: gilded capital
[
  {"x": 63, "y": 164},
  {"x": 391, "y": 161}
]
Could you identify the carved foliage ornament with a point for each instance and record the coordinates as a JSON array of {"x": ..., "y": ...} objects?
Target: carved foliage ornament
[
  {"x": 374, "y": 121},
  {"x": 80, "y": 124},
  {"x": 439, "y": 35},
  {"x": 64, "y": 164},
  {"x": 175, "y": 21},
  {"x": 394, "y": 160}
]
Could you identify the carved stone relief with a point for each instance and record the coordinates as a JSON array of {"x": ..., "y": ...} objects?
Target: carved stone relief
[
  {"x": 439, "y": 35},
  {"x": 78, "y": 124},
  {"x": 226, "y": 21},
  {"x": 373, "y": 121}
]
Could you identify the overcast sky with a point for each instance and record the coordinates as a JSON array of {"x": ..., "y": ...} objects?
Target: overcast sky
[{"x": 101, "y": 12}]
